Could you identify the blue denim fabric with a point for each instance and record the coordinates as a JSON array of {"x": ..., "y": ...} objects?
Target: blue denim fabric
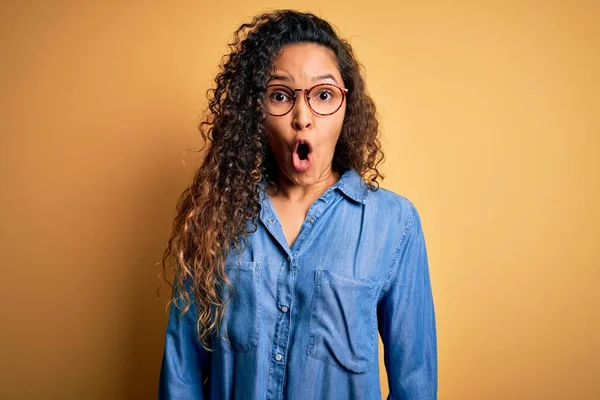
[{"x": 305, "y": 321}]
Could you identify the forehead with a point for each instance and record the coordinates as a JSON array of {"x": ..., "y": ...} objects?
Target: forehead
[{"x": 304, "y": 60}]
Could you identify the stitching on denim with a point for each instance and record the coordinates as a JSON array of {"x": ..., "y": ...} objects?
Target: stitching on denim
[
  {"x": 311, "y": 350},
  {"x": 366, "y": 195},
  {"x": 336, "y": 365},
  {"x": 403, "y": 235},
  {"x": 316, "y": 292},
  {"x": 253, "y": 342}
]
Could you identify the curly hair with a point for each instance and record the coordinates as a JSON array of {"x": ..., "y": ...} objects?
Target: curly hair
[{"x": 218, "y": 210}]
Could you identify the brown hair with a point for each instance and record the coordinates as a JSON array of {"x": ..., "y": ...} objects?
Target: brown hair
[{"x": 223, "y": 199}]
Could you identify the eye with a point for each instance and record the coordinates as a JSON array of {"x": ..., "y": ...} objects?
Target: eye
[
  {"x": 279, "y": 96},
  {"x": 324, "y": 95}
]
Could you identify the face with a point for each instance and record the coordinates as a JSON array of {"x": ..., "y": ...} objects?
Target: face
[{"x": 301, "y": 66}]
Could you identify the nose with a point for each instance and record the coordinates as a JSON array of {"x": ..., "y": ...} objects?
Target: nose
[{"x": 302, "y": 114}]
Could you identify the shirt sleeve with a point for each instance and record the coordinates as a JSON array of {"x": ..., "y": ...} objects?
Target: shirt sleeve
[
  {"x": 185, "y": 363},
  {"x": 407, "y": 319}
]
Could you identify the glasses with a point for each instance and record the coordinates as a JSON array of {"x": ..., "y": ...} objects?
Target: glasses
[{"x": 322, "y": 99}]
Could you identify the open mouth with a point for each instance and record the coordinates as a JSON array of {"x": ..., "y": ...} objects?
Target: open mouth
[
  {"x": 303, "y": 148},
  {"x": 302, "y": 156},
  {"x": 303, "y": 151}
]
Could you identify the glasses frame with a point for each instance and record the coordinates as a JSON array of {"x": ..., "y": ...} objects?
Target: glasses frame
[{"x": 307, "y": 98}]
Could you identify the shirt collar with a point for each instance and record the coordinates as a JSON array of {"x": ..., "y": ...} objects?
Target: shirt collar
[
  {"x": 350, "y": 183},
  {"x": 353, "y": 186}
]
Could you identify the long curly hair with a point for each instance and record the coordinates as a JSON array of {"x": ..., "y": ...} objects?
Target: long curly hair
[{"x": 219, "y": 209}]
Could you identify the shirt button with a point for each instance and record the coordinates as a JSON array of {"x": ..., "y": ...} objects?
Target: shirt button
[
  {"x": 311, "y": 220},
  {"x": 284, "y": 309},
  {"x": 278, "y": 357},
  {"x": 270, "y": 220},
  {"x": 289, "y": 259}
]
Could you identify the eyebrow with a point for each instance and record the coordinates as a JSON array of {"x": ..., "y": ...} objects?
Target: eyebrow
[{"x": 316, "y": 78}]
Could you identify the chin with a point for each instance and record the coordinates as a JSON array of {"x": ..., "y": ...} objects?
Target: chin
[{"x": 306, "y": 177}]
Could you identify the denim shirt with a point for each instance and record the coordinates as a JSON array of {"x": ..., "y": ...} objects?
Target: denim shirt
[{"x": 305, "y": 320}]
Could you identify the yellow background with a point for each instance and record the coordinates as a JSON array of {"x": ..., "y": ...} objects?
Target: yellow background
[{"x": 491, "y": 127}]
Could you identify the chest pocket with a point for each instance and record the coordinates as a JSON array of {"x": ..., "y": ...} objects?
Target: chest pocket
[
  {"x": 241, "y": 322},
  {"x": 343, "y": 321}
]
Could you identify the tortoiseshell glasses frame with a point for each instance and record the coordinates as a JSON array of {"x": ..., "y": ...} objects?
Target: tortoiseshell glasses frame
[{"x": 337, "y": 92}]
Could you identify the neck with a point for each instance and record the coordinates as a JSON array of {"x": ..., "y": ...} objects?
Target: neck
[{"x": 289, "y": 191}]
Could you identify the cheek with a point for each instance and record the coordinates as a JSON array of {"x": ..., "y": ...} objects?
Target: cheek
[
  {"x": 274, "y": 125},
  {"x": 342, "y": 115},
  {"x": 336, "y": 126},
  {"x": 339, "y": 117},
  {"x": 274, "y": 133}
]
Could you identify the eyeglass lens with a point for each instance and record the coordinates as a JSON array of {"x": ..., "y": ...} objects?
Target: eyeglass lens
[{"x": 323, "y": 99}]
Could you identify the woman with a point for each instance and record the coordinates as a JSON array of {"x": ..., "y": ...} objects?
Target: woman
[{"x": 287, "y": 263}]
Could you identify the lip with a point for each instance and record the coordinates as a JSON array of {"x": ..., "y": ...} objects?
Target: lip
[
  {"x": 300, "y": 141},
  {"x": 302, "y": 166}
]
